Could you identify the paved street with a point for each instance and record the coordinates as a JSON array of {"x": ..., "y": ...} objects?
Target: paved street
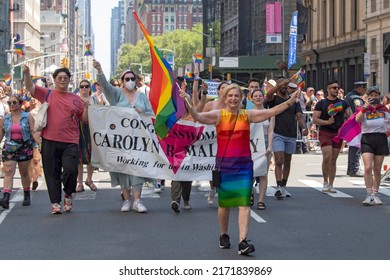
[{"x": 309, "y": 225}]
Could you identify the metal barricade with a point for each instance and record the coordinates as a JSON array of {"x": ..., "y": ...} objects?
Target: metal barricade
[{"x": 312, "y": 138}]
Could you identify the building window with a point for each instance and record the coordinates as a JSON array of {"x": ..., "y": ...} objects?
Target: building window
[
  {"x": 373, "y": 6},
  {"x": 52, "y": 36},
  {"x": 166, "y": 9},
  {"x": 386, "y": 4},
  {"x": 166, "y": 19},
  {"x": 172, "y": 19},
  {"x": 373, "y": 45},
  {"x": 172, "y": 27},
  {"x": 172, "y": 9},
  {"x": 166, "y": 27},
  {"x": 354, "y": 15}
]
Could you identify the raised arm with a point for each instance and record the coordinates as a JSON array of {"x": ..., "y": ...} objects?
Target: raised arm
[
  {"x": 261, "y": 115},
  {"x": 212, "y": 117},
  {"x": 203, "y": 98},
  {"x": 30, "y": 86}
]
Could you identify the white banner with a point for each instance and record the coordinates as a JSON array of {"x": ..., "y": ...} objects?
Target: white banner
[{"x": 124, "y": 141}]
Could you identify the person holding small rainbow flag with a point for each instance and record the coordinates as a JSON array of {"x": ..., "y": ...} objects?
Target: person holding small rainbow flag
[{"x": 329, "y": 115}]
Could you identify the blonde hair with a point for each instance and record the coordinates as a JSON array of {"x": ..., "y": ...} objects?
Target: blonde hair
[{"x": 229, "y": 88}]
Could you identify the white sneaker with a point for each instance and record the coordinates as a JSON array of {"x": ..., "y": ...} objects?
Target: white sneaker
[
  {"x": 332, "y": 189},
  {"x": 139, "y": 207},
  {"x": 377, "y": 200},
  {"x": 285, "y": 192},
  {"x": 325, "y": 188},
  {"x": 369, "y": 200},
  {"x": 187, "y": 205},
  {"x": 279, "y": 193},
  {"x": 256, "y": 187},
  {"x": 157, "y": 188},
  {"x": 210, "y": 199},
  {"x": 126, "y": 206}
]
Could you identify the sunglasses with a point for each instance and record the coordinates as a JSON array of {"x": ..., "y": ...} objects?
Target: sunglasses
[
  {"x": 128, "y": 79},
  {"x": 84, "y": 86},
  {"x": 12, "y": 103},
  {"x": 335, "y": 88}
]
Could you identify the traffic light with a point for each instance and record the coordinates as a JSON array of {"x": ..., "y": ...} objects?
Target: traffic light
[
  {"x": 210, "y": 67},
  {"x": 67, "y": 60},
  {"x": 63, "y": 62}
]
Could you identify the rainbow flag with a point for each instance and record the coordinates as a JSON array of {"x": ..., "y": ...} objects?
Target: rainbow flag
[
  {"x": 20, "y": 49},
  {"x": 333, "y": 109},
  {"x": 299, "y": 78},
  {"x": 93, "y": 87},
  {"x": 197, "y": 58},
  {"x": 188, "y": 74},
  {"x": 88, "y": 51},
  {"x": 76, "y": 91},
  {"x": 8, "y": 80},
  {"x": 164, "y": 91},
  {"x": 27, "y": 97},
  {"x": 36, "y": 78}
]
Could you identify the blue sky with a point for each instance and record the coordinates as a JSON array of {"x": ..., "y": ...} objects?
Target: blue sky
[{"x": 101, "y": 14}]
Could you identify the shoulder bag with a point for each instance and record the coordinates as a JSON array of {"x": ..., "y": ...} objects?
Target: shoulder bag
[
  {"x": 216, "y": 173},
  {"x": 41, "y": 116}
]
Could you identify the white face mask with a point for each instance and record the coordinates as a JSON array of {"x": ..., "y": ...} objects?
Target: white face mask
[{"x": 130, "y": 85}]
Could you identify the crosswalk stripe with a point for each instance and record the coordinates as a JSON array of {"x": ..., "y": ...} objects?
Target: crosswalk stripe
[
  {"x": 318, "y": 186},
  {"x": 361, "y": 184},
  {"x": 257, "y": 218}
]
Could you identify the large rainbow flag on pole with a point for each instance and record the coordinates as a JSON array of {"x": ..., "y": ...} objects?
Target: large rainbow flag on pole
[{"x": 164, "y": 92}]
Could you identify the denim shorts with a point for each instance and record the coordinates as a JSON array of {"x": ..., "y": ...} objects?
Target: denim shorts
[{"x": 284, "y": 144}]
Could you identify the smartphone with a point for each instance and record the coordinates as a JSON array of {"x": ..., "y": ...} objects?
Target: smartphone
[{"x": 375, "y": 101}]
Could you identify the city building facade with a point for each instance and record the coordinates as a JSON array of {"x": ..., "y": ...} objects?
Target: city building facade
[{"x": 335, "y": 43}]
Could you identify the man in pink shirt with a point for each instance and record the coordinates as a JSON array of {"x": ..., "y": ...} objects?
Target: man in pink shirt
[{"x": 60, "y": 138}]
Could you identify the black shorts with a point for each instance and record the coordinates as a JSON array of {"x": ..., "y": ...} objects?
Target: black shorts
[{"x": 374, "y": 143}]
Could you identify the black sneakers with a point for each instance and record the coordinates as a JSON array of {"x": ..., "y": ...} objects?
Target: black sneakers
[
  {"x": 224, "y": 242},
  {"x": 244, "y": 248}
]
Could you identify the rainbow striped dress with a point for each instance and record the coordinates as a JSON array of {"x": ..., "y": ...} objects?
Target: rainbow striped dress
[{"x": 237, "y": 165}]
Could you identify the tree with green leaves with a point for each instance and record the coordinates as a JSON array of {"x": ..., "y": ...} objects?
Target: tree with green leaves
[{"x": 184, "y": 43}]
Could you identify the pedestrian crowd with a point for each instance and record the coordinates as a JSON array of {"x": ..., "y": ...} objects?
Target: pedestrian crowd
[{"x": 62, "y": 149}]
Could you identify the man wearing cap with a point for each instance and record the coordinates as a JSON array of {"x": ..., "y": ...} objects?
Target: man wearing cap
[
  {"x": 285, "y": 134},
  {"x": 354, "y": 100}
]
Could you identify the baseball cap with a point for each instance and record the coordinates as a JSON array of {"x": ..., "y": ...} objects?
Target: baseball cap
[
  {"x": 292, "y": 85},
  {"x": 373, "y": 89},
  {"x": 360, "y": 84},
  {"x": 271, "y": 82}
]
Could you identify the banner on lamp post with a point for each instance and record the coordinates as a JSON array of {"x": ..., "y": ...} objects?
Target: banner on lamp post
[{"x": 292, "y": 50}]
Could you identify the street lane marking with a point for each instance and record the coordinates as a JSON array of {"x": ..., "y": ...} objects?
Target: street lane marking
[
  {"x": 257, "y": 218},
  {"x": 318, "y": 186},
  {"x": 4, "y": 214},
  {"x": 361, "y": 184},
  {"x": 18, "y": 197}
]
